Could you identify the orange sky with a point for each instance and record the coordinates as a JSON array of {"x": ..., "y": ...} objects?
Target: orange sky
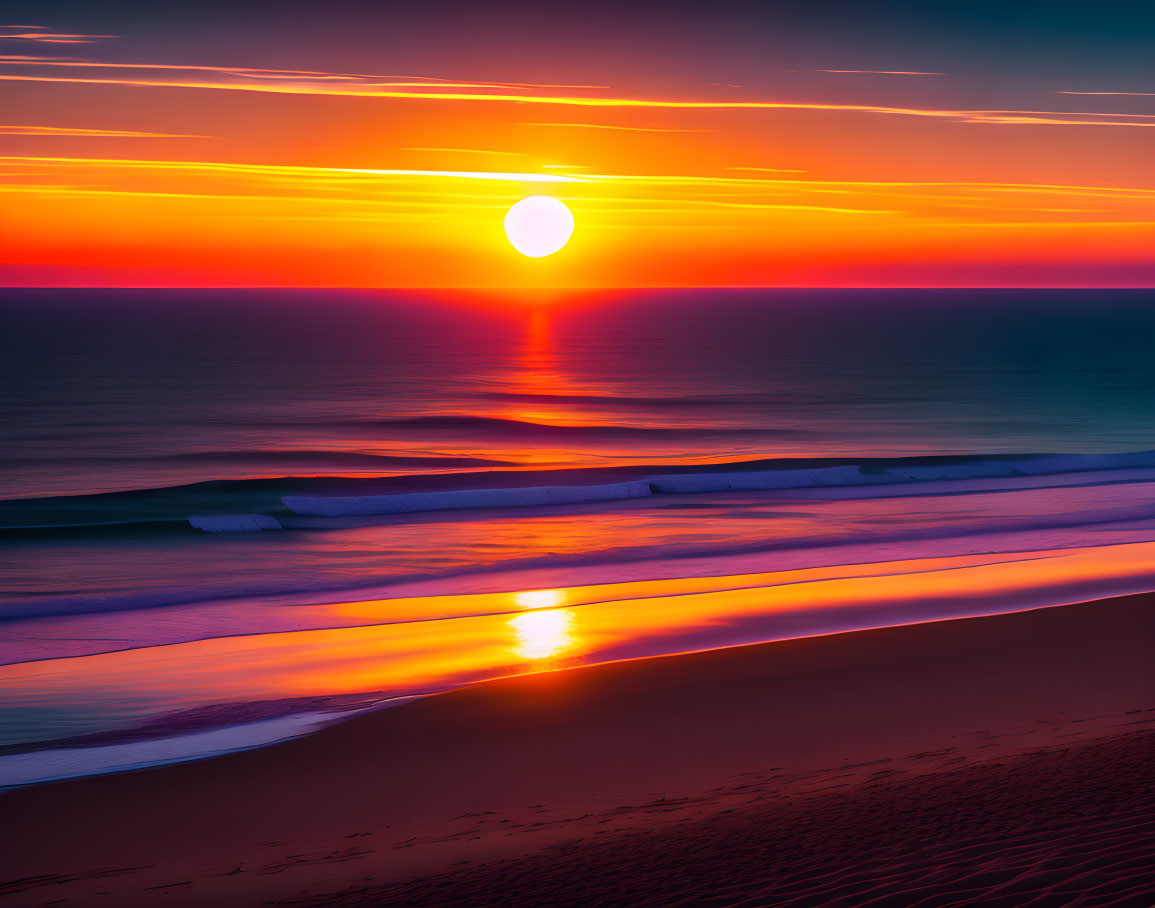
[{"x": 122, "y": 169}]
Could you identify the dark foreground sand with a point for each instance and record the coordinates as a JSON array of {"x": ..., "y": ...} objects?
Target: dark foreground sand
[{"x": 991, "y": 761}]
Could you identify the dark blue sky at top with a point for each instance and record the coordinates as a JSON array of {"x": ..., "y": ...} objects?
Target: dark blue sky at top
[{"x": 1104, "y": 46}]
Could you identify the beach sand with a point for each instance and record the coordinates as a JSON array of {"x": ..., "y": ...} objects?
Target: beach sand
[{"x": 996, "y": 761}]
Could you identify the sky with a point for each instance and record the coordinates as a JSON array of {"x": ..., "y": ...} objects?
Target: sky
[{"x": 708, "y": 144}]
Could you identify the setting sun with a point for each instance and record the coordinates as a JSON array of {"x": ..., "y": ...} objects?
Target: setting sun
[{"x": 539, "y": 225}]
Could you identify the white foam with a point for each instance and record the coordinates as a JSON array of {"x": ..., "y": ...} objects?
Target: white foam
[
  {"x": 234, "y": 523},
  {"x": 691, "y": 483},
  {"x": 412, "y": 502},
  {"x": 1079, "y": 463},
  {"x": 686, "y": 483},
  {"x": 70, "y": 762}
]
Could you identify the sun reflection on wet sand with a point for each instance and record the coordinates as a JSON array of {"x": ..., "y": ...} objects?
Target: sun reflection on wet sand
[
  {"x": 543, "y": 634},
  {"x": 545, "y": 631},
  {"x": 431, "y": 644},
  {"x": 540, "y": 598}
]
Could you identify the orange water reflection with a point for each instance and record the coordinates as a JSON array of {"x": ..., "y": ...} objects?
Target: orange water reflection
[
  {"x": 543, "y": 389},
  {"x": 555, "y": 382},
  {"x": 498, "y": 634}
]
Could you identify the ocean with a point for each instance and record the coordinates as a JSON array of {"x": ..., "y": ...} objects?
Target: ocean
[{"x": 804, "y": 462}]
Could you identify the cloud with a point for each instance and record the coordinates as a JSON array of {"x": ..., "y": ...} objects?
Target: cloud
[
  {"x": 31, "y": 59},
  {"x": 872, "y": 72},
  {"x": 320, "y": 76},
  {"x": 607, "y": 126},
  {"x": 1143, "y": 224},
  {"x": 513, "y": 154},
  {"x": 1034, "y": 117},
  {"x": 695, "y": 189},
  {"x": 143, "y": 193},
  {"x": 393, "y": 91},
  {"x": 768, "y": 169},
  {"x": 1039, "y": 121},
  {"x": 1142, "y": 94},
  {"x": 75, "y": 131},
  {"x": 288, "y": 170},
  {"x": 43, "y": 36}
]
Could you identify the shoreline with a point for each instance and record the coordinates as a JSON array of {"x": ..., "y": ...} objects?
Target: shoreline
[
  {"x": 557, "y": 758},
  {"x": 328, "y": 709},
  {"x": 394, "y": 649}
]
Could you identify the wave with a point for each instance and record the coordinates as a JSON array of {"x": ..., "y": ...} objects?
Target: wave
[
  {"x": 1123, "y": 500},
  {"x": 622, "y": 401},
  {"x": 334, "y": 459},
  {"x": 694, "y": 483},
  {"x": 168, "y": 509},
  {"x": 415, "y": 502},
  {"x": 592, "y": 567},
  {"x": 874, "y": 474},
  {"x": 135, "y": 509},
  {"x": 234, "y": 523},
  {"x": 518, "y": 428},
  {"x": 50, "y": 764}
]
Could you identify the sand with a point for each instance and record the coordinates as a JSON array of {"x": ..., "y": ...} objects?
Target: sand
[{"x": 994, "y": 761}]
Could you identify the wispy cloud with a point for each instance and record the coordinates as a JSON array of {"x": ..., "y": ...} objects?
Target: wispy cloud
[
  {"x": 870, "y": 72},
  {"x": 1126, "y": 224},
  {"x": 368, "y": 185},
  {"x": 40, "y": 34},
  {"x": 109, "y": 133},
  {"x": 512, "y": 154},
  {"x": 768, "y": 169},
  {"x": 297, "y": 75},
  {"x": 1016, "y": 118},
  {"x": 1141, "y": 94},
  {"x": 434, "y": 93},
  {"x": 608, "y": 126},
  {"x": 397, "y": 213},
  {"x": 275, "y": 169},
  {"x": 31, "y": 59}
]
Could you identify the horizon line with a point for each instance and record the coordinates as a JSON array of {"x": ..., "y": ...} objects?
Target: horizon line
[{"x": 554, "y": 289}]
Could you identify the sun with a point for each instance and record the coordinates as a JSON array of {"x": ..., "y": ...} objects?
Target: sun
[{"x": 538, "y": 225}]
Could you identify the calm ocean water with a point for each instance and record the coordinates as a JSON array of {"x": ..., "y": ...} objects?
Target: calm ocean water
[
  {"x": 131, "y": 389},
  {"x": 127, "y": 411}
]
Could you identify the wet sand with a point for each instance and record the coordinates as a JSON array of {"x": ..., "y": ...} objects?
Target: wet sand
[{"x": 997, "y": 760}]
